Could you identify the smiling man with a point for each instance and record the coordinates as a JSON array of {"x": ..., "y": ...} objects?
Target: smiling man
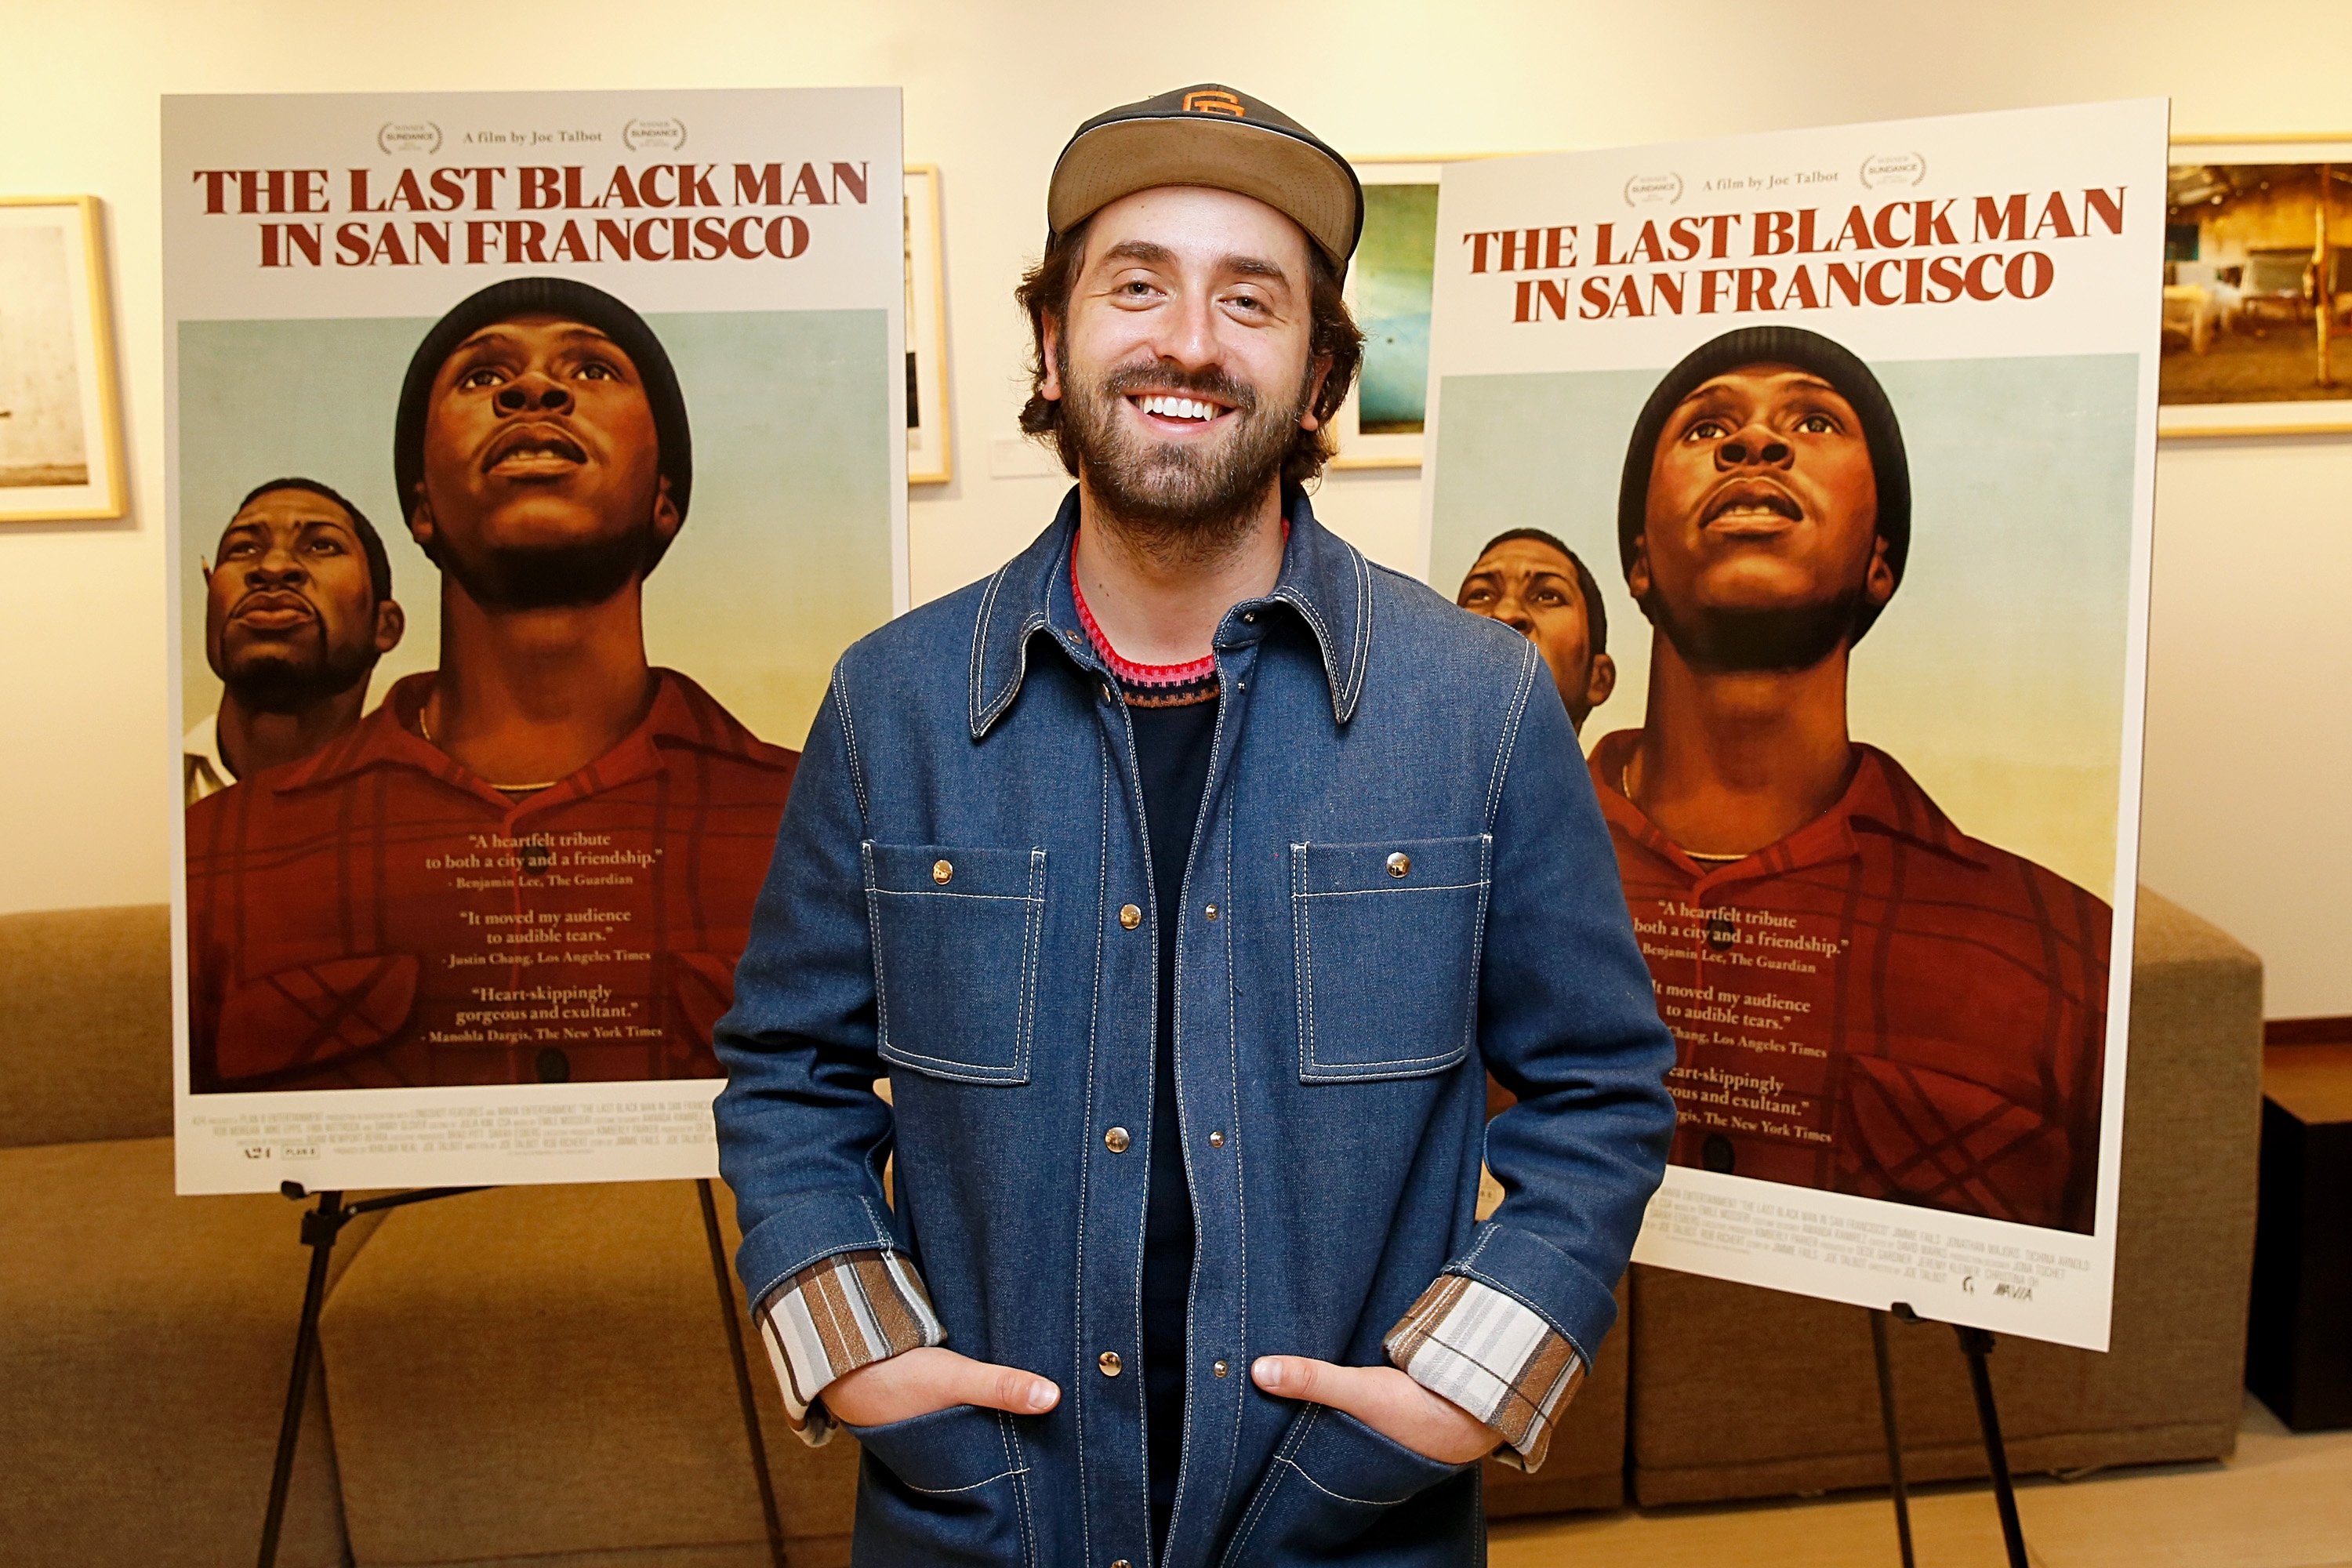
[
  {"x": 1542, "y": 590},
  {"x": 1865, "y": 999},
  {"x": 1187, "y": 877},
  {"x": 297, "y": 609},
  {"x": 537, "y": 862}
]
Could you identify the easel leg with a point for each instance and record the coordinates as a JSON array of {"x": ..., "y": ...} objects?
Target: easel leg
[
  {"x": 1893, "y": 1436},
  {"x": 320, "y": 1228},
  {"x": 743, "y": 1391},
  {"x": 1977, "y": 1344}
]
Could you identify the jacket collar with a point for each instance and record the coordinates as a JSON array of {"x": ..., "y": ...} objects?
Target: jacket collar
[
  {"x": 1325, "y": 580},
  {"x": 682, "y": 716},
  {"x": 1883, "y": 800}
]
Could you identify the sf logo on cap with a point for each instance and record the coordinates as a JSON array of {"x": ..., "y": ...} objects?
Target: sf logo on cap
[{"x": 1213, "y": 102}]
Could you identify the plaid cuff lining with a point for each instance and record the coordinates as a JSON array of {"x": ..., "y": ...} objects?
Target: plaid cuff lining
[
  {"x": 838, "y": 1315},
  {"x": 1471, "y": 1345}
]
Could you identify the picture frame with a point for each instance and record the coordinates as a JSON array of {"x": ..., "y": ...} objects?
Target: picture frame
[
  {"x": 61, "y": 414},
  {"x": 2258, "y": 287},
  {"x": 930, "y": 443},
  {"x": 1388, "y": 289}
]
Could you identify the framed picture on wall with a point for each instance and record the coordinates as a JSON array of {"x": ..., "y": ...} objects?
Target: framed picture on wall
[
  {"x": 930, "y": 449},
  {"x": 60, "y": 430},
  {"x": 2257, "y": 287},
  {"x": 1389, "y": 285}
]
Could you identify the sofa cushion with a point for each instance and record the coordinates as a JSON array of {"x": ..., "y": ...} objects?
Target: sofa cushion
[
  {"x": 86, "y": 1024},
  {"x": 542, "y": 1372},
  {"x": 144, "y": 1359},
  {"x": 1738, "y": 1392}
]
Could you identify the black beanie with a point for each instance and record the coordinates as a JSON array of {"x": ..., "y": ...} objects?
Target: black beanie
[
  {"x": 1807, "y": 351},
  {"x": 574, "y": 301}
]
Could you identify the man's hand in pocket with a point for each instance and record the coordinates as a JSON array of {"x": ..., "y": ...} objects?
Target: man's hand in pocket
[
  {"x": 929, "y": 1378},
  {"x": 1385, "y": 1400}
]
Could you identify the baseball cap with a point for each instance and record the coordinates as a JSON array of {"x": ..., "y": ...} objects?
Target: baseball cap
[{"x": 1210, "y": 135}]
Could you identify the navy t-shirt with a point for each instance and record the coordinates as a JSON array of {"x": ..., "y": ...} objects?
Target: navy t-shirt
[{"x": 1173, "y": 748}]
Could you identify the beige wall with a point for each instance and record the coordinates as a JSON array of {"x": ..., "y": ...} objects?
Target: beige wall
[{"x": 2250, "y": 734}]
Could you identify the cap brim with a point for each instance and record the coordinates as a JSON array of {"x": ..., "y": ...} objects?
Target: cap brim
[{"x": 1306, "y": 184}]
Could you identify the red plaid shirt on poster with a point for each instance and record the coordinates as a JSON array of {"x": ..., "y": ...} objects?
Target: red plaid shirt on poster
[
  {"x": 374, "y": 916},
  {"x": 1876, "y": 1005}
]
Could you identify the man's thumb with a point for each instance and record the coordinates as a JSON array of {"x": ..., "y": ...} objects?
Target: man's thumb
[{"x": 1008, "y": 1388}]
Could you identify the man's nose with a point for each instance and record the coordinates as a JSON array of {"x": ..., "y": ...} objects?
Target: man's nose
[
  {"x": 1512, "y": 611},
  {"x": 533, "y": 393},
  {"x": 279, "y": 566},
  {"x": 1188, "y": 333},
  {"x": 1754, "y": 447}
]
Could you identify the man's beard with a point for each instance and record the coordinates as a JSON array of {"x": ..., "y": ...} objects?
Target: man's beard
[
  {"x": 1178, "y": 502},
  {"x": 1727, "y": 642},
  {"x": 273, "y": 682},
  {"x": 569, "y": 576}
]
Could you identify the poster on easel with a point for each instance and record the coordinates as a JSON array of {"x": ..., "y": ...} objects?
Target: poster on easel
[
  {"x": 532, "y": 457},
  {"x": 1819, "y": 465}
]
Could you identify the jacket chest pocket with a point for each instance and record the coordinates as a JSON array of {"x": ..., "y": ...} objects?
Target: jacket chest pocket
[
  {"x": 1387, "y": 938},
  {"x": 955, "y": 933}
]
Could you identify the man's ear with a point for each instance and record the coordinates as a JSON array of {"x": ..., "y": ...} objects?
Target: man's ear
[
  {"x": 390, "y": 625},
  {"x": 666, "y": 516},
  {"x": 420, "y": 520},
  {"x": 1049, "y": 350},
  {"x": 1878, "y": 582},
  {"x": 1307, "y": 420},
  {"x": 1601, "y": 680},
  {"x": 1637, "y": 575},
  {"x": 204, "y": 570}
]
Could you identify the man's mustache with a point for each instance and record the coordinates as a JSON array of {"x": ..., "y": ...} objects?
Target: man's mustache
[
  {"x": 272, "y": 599},
  {"x": 544, "y": 434},
  {"x": 1208, "y": 381}
]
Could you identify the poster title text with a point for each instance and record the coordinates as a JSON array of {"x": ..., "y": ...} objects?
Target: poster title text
[
  {"x": 653, "y": 211},
  {"x": 1984, "y": 249}
]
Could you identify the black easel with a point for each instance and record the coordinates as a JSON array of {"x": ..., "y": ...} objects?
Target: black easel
[
  {"x": 1976, "y": 1344},
  {"x": 323, "y": 1223}
]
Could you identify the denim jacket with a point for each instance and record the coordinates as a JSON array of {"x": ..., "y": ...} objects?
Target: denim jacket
[{"x": 1399, "y": 882}]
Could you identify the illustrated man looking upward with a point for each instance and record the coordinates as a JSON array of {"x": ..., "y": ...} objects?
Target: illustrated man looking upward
[
  {"x": 297, "y": 609},
  {"x": 1542, "y": 590},
  {"x": 1187, "y": 877},
  {"x": 537, "y": 862},
  {"x": 1932, "y": 1008}
]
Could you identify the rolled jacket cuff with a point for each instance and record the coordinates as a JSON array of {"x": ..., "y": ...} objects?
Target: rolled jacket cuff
[
  {"x": 1475, "y": 1346},
  {"x": 840, "y": 1314}
]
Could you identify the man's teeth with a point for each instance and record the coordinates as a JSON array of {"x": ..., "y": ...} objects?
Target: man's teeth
[{"x": 1177, "y": 407}]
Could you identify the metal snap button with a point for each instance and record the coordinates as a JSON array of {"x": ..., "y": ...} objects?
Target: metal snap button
[
  {"x": 1248, "y": 615},
  {"x": 943, "y": 872},
  {"x": 1130, "y": 916},
  {"x": 1216, "y": 1140},
  {"x": 1123, "y": 1562},
  {"x": 1072, "y": 637},
  {"x": 1116, "y": 1139},
  {"x": 1400, "y": 863},
  {"x": 1213, "y": 912},
  {"x": 1221, "y": 1369},
  {"x": 1109, "y": 1362}
]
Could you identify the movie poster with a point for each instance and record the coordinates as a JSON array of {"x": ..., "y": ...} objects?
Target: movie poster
[
  {"x": 1819, "y": 465},
  {"x": 532, "y": 457}
]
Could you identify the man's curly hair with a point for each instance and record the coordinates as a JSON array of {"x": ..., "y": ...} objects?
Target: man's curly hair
[{"x": 1046, "y": 290}]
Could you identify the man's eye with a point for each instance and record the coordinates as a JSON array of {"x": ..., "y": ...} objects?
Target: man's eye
[
  {"x": 1817, "y": 425},
  {"x": 1549, "y": 596},
  {"x": 326, "y": 547},
  {"x": 1477, "y": 596},
  {"x": 1707, "y": 430},
  {"x": 1247, "y": 302},
  {"x": 480, "y": 377},
  {"x": 231, "y": 552},
  {"x": 594, "y": 371}
]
